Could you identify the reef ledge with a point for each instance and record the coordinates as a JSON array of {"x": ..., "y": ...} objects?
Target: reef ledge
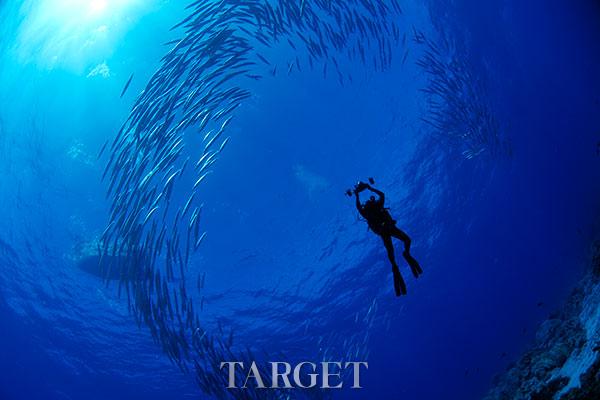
[{"x": 564, "y": 360}]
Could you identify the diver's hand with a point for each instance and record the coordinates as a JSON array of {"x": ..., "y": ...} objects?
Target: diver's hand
[{"x": 360, "y": 186}]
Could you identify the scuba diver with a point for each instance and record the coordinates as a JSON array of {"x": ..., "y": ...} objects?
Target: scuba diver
[{"x": 381, "y": 222}]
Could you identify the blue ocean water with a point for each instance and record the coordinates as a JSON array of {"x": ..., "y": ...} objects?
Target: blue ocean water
[{"x": 500, "y": 197}]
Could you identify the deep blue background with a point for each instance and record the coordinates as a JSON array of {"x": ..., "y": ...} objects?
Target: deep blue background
[{"x": 496, "y": 236}]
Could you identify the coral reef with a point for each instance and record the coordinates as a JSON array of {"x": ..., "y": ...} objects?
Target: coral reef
[{"x": 564, "y": 362}]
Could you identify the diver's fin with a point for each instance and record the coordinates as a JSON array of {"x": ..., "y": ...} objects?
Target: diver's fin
[
  {"x": 414, "y": 265},
  {"x": 399, "y": 284}
]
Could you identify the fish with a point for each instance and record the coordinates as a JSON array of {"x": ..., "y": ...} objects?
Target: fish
[
  {"x": 199, "y": 241},
  {"x": 126, "y": 86},
  {"x": 218, "y": 134},
  {"x": 222, "y": 146},
  {"x": 149, "y": 215},
  {"x": 199, "y": 84},
  {"x": 263, "y": 59},
  {"x": 201, "y": 178},
  {"x": 102, "y": 150},
  {"x": 404, "y": 57},
  {"x": 188, "y": 203}
]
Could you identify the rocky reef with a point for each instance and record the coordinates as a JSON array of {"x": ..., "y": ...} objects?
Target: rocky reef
[{"x": 564, "y": 361}]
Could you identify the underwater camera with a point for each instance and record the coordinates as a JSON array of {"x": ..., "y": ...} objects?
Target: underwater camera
[{"x": 359, "y": 187}]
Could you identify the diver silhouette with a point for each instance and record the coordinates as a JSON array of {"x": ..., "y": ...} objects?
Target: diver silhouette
[{"x": 381, "y": 222}]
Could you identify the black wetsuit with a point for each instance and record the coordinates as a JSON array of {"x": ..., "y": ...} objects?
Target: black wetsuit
[{"x": 381, "y": 222}]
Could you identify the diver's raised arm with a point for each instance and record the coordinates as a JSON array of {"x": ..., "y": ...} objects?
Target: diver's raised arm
[
  {"x": 358, "y": 205},
  {"x": 378, "y": 192}
]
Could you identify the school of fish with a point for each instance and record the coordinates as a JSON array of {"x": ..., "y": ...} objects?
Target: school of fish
[
  {"x": 458, "y": 110},
  {"x": 177, "y": 129}
]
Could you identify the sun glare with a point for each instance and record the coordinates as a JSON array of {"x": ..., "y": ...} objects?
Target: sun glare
[
  {"x": 76, "y": 34},
  {"x": 98, "y": 6}
]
